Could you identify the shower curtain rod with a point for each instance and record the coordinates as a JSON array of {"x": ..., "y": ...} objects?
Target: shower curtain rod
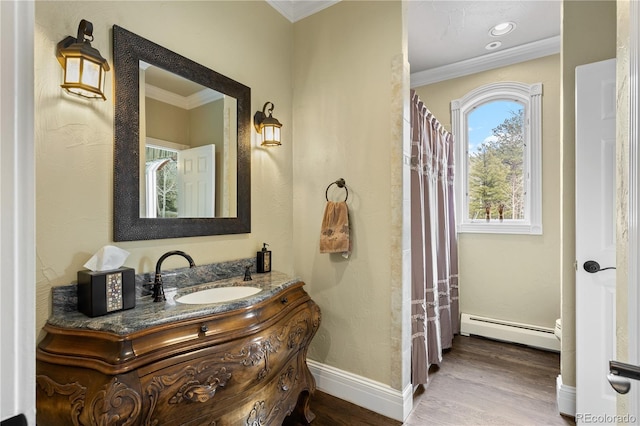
[
  {"x": 430, "y": 116},
  {"x": 436, "y": 123}
]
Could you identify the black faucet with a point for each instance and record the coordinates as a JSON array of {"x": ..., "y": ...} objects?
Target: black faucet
[{"x": 158, "y": 290}]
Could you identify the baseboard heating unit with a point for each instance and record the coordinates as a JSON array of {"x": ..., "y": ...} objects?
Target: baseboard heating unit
[{"x": 507, "y": 331}]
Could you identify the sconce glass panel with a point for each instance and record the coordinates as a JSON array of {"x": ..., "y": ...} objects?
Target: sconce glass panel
[
  {"x": 72, "y": 72},
  {"x": 270, "y": 135},
  {"x": 91, "y": 74}
]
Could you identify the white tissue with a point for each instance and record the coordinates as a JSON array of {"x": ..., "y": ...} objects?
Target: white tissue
[{"x": 107, "y": 258}]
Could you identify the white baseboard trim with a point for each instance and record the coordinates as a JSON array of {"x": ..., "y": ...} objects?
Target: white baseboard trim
[
  {"x": 366, "y": 393},
  {"x": 566, "y": 398}
]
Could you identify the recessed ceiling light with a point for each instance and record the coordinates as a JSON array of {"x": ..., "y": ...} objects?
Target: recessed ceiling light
[
  {"x": 493, "y": 45},
  {"x": 502, "y": 29}
]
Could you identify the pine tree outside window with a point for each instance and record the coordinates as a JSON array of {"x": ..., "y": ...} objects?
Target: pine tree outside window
[{"x": 497, "y": 129}]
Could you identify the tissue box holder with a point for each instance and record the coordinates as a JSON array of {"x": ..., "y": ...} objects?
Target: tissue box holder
[{"x": 104, "y": 292}]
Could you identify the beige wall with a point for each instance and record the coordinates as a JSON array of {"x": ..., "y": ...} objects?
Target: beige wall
[
  {"x": 167, "y": 122},
  {"x": 513, "y": 277},
  {"x": 588, "y": 35},
  {"x": 74, "y": 137},
  {"x": 344, "y": 127},
  {"x": 206, "y": 124}
]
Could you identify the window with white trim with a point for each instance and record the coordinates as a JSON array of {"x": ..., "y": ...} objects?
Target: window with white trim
[{"x": 498, "y": 181}]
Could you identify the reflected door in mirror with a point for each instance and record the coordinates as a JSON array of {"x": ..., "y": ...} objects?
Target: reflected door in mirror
[{"x": 181, "y": 115}]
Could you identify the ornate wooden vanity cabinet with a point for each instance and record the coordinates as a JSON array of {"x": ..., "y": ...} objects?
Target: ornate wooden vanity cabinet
[{"x": 245, "y": 366}]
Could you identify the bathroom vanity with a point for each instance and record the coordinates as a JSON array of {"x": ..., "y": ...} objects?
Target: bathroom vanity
[{"x": 241, "y": 362}]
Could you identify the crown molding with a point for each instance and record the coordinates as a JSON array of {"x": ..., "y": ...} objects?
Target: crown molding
[
  {"x": 203, "y": 97},
  {"x": 295, "y": 10},
  {"x": 284, "y": 7},
  {"x": 154, "y": 92},
  {"x": 197, "y": 99},
  {"x": 514, "y": 55}
]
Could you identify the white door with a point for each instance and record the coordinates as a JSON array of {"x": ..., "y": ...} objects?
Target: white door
[
  {"x": 197, "y": 181},
  {"x": 595, "y": 239}
]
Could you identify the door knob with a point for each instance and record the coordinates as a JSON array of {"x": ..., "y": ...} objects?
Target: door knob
[{"x": 591, "y": 266}]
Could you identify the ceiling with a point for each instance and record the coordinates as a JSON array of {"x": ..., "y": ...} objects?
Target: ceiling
[{"x": 447, "y": 38}]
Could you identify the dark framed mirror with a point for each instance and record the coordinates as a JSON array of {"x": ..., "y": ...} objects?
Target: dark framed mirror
[{"x": 154, "y": 197}]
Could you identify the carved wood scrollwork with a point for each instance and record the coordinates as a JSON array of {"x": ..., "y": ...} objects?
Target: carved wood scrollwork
[
  {"x": 298, "y": 330},
  {"x": 288, "y": 379},
  {"x": 260, "y": 413},
  {"x": 317, "y": 316},
  {"x": 257, "y": 415},
  {"x": 117, "y": 403},
  {"x": 75, "y": 391},
  {"x": 192, "y": 390},
  {"x": 256, "y": 352},
  {"x": 195, "y": 391}
]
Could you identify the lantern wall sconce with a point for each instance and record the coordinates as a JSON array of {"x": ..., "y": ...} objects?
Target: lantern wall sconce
[
  {"x": 267, "y": 126},
  {"x": 84, "y": 67}
]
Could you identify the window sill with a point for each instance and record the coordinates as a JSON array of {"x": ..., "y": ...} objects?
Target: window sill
[{"x": 495, "y": 227}]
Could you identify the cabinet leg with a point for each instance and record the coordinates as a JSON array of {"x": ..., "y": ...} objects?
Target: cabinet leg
[{"x": 301, "y": 414}]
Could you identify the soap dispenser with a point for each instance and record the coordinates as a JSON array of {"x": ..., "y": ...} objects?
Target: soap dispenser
[{"x": 263, "y": 261}]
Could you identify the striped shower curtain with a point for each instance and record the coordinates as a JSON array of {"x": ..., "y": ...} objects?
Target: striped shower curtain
[{"x": 434, "y": 246}]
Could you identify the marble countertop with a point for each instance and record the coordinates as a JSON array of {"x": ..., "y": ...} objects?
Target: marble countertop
[{"x": 149, "y": 314}]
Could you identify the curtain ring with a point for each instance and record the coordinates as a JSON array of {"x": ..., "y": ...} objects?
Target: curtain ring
[{"x": 341, "y": 184}]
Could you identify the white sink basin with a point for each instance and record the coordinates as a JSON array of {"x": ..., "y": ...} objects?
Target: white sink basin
[{"x": 217, "y": 295}]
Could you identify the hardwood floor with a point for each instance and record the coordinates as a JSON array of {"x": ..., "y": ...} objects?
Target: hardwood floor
[
  {"x": 480, "y": 383},
  {"x": 484, "y": 382},
  {"x": 332, "y": 411}
]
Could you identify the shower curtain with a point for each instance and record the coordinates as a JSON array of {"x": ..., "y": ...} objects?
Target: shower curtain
[{"x": 434, "y": 246}]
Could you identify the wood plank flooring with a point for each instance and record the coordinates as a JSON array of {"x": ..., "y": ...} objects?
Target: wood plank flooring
[
  {"x": 332, "y": 411},
  {"x": 480, "y": 383},
  {"x": 484, "y": 382}
]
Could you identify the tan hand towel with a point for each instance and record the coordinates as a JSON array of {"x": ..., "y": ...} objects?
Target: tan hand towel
[{"x": 334, "y": 234}]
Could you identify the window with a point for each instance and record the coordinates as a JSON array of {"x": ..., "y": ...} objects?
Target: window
[
  {"x": 497, "y": 129},
  {"x": 161, "y": 176}
]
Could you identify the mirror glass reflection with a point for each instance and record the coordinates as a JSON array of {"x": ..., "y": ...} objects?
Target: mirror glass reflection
[{"x": 188, "y": 134}]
